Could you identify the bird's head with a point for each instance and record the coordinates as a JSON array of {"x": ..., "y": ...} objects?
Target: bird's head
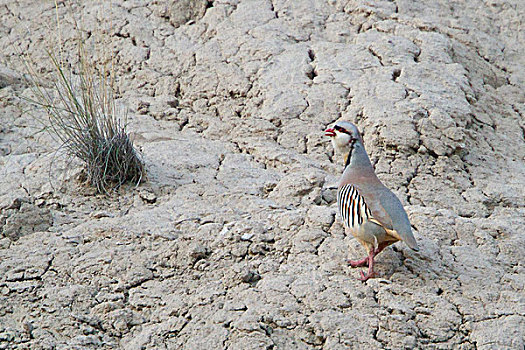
[{"x": 344, "y": 135}]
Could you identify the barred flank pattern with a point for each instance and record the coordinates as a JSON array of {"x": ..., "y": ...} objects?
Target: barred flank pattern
[{"x": 352, "y": 206}]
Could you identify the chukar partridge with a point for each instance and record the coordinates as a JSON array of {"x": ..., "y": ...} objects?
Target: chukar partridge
[{"x": 369, "y": 210}]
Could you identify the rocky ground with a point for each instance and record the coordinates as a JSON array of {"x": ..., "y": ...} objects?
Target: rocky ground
[{"x": 233, "y": 242}]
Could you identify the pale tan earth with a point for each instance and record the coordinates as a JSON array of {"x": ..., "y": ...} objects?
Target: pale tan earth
[{"x": 233, "y": 242}]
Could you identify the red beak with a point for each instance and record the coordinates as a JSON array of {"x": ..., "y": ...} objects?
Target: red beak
[{"x": 329, "y": 132}]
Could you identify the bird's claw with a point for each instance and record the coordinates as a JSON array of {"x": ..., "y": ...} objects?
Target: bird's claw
[{"x": 364, "y": 277}]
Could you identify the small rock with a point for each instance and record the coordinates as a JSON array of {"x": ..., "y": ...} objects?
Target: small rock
[
  {"x": 5, "y": 243},
  {"x": 250, "y": 276},
  {"x": 17, "y": 202},
  {"x": 260, "y": 248},
  {"x": 25, "y": 221},
  {"x": 329, "y": 195},
  {"x": 28, "y": 327},
  {"x": 247, "y": 236},
  {"x": 268, "y": 238},
  {"x": 240, "y": 250},
  {"x": 198, "y": 251},
  {"x": 148, "y": 196},
  {"x": 143, "y": 107},
  {"x": 101, "y": 214}
]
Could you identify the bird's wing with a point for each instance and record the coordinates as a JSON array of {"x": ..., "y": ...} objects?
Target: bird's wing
[
  {"x": 373, "y": 203},
  {"x": 387, "y": 211},
  {"x": 398, "y": 217}
]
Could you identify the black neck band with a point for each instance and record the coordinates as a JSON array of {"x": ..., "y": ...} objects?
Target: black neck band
[{"x": 349, "y": 154}]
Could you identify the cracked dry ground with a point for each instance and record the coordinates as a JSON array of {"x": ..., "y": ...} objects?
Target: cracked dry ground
[{"x": 233, "y": 242}]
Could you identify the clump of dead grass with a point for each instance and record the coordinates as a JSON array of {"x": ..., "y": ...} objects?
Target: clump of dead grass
[{"x": 82, "y": 114}]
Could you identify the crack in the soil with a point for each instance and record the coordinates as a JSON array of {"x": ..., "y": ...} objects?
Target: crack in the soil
[{"x": 376, "y": 55}]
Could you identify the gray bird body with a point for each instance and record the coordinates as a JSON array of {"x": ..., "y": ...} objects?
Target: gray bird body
[
  {"x": 383, "y": 204},
  {"x": 370, "y": 211}
]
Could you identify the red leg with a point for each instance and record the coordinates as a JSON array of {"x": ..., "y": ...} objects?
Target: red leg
[
  {"x": 358, "y": 263},
  {"x": 364, "y": 261},
  {"x": 371, "y": 272}
]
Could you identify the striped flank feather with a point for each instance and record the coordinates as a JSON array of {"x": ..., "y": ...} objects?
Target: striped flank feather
[{"x": 352, "y": 206}]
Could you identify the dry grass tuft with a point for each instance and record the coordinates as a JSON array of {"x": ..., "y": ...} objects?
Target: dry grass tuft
[{"x": 82, "y": 114}]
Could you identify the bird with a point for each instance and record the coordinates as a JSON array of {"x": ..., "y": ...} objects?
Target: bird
[{"x": 370, "y": 211}]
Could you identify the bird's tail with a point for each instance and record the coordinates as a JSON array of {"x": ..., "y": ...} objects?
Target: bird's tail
[{"x": 409, "y": 239}]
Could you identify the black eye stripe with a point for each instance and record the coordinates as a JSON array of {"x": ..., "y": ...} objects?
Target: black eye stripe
[{"x": 338, "y": 128}]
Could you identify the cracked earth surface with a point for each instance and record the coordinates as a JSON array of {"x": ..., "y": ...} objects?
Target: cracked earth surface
[{"x": 233, "y": 242}]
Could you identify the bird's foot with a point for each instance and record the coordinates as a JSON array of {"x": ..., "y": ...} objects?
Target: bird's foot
[
  {"x": 358, "y": 263},
  {"x": 364, "y": 277}
]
